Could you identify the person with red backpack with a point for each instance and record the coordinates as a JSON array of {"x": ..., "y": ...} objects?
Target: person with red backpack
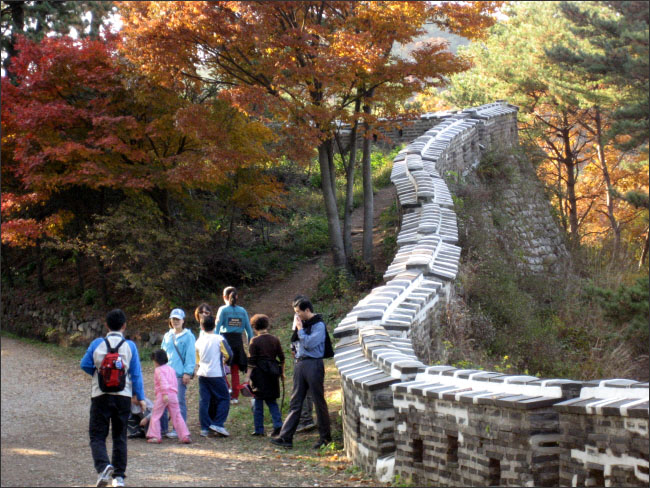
[{"x": 114, "y": 364}]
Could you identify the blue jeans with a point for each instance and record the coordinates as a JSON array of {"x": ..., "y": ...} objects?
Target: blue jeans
[
  {"x": 258, "y": 414},
  {"x": 164, "y": 420},
  {"x": 216, "y": 388}
]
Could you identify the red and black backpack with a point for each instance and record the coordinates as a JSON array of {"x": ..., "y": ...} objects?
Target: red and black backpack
[{"x": 112, "y": 373}]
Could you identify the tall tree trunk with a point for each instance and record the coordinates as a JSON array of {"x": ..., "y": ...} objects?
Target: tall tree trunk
[
  {"x": 560, "y": 198},
  {"x": 570, "y": 164},
  {"x": 329, "y": 197},
  {"x": 368, "y": 198},
  {"x": 644, "y": 254},
  {"x": 616, "y": 228},
  {"x": 330, "y": 161},
  {"x": 349, "y": 188},
  {"x": 161, "y": 197}
]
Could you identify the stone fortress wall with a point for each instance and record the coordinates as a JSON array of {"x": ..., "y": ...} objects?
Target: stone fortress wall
[{"x": 438, "y": 425}]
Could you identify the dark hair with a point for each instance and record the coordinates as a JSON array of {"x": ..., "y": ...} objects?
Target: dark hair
[
  {"x": 203, "y": 306},
  {"x": 296, "y": 300},
  {"x": 207, "y": 323},
  {"x": 260, "y": 321},
  {"x": 115, "y": 319},
  {"x": 230, "y": 292},
  {"x": 159, "y": 356},
  {"x": 304, "y": 304}
]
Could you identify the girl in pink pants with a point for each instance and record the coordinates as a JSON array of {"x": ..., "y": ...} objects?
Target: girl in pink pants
[{"x": 164, "y": 380}]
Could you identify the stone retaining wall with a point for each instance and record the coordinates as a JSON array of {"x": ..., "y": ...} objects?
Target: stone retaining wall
[{"x": 443, "y": 426}]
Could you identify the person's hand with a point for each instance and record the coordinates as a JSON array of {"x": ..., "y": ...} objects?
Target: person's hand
[
  {"x": 299, "y": 325},
  {"x": 144, "y": 421},
  {"x": 186, "y": 378},
  {"x": 134, "y": 400},
  {"x": 166, "y": 399},
  {"x": 143, "y": 405},
  {"x": 296, "y": 321}
]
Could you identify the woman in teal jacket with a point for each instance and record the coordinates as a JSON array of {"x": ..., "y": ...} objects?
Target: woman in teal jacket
[
  {"x": 178, "y": 343},
  {"x": 232, "y": 322}
]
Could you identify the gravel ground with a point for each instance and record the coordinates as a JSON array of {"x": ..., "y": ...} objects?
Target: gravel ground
[{"x": 45, "y": 405}]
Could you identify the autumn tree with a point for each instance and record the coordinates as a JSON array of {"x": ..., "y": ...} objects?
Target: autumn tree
[
  {"x": 563, "y": 111},
  {"x": 613, "y": 63},
  {"x": 82, "y": 132},
  {"x": 297, "y": 63}
]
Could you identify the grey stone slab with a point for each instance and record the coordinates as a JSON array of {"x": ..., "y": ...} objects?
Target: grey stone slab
[
  {"x": 619, "y": 383},
  {"x": 379, "y": 383},
  {"x": 639, "y": 411}
]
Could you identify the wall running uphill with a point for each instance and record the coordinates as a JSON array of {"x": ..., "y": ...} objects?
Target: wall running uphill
[{"x": 439, "y": 425}]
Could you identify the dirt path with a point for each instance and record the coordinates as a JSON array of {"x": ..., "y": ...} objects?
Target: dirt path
[
  {"x": 273, "y": 297},
  {"x": 45, "y": 436},
  {"x": 44, "y": 423}
]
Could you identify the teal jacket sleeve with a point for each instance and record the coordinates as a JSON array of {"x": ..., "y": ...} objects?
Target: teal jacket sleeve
[
  {"x": 247, "y": 327},
  {"x": 190, "y": 355}
]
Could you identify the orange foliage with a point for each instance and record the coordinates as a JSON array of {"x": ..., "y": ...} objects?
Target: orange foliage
[
  {"x": 78, "y": 118},
  {"x": 297, "y": 62}
]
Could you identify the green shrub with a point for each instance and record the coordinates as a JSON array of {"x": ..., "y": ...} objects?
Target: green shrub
[
  {"x": 89, "y": 296},
  {"x": 308, "y": 235},
  {"x": 627, "y": 308}
]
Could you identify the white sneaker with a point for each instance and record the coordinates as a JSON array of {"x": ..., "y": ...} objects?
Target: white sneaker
[
  {"x": 234, "y": 401},
  {"x": 171, "y": 434},
  {"x": 104, "y": 478},
  {"x": 220, "y": 430},
  {"x": 118, "y": 481},
  {"x": 204, "y": 433}
]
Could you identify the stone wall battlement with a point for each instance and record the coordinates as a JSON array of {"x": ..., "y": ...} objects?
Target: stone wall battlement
[{"x": 445, "y": 426}]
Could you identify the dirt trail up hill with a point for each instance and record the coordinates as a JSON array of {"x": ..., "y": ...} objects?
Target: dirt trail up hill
[{"x": 45, "y": 404}]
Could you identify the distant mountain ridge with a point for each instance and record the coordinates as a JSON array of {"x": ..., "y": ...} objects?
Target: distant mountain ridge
[{"x": 433, "y": 32}]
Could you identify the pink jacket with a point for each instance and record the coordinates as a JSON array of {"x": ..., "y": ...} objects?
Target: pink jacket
[{"x": 164, "y": 380}]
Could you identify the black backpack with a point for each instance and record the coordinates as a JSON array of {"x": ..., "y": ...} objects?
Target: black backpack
[{"x": 329, "y": 350}]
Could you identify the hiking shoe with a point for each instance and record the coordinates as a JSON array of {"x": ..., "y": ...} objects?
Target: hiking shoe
[
  {"x": 321, "y": 443},
  {"x": 104, "y": 477},
  {"x": 187, "y": 440},
  {"x": 220, "y": 430},
  {"x": 234, "y": 401},
  {"x": 276, "y": 431},
  {"x": 205, "y": 433},
  {"x": 306, "y": 427},
  {"x": 279, "y": 441},
  {"x": 118, "y": 481},
  {"x": 258, "y": 433},
  {"x": 154, "y": 440},
  {"x": 171, "y": 434}
]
